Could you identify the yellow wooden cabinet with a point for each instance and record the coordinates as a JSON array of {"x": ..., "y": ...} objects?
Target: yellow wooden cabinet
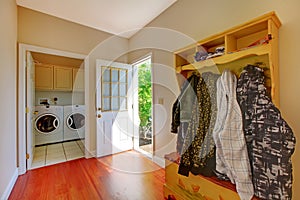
[
  {"x": 195, "y": 187},
  {"x": 58, "y": 78},
  {"x": 43, "y": 77},
  {"x": 63, "y": 78},
  {"x": 78, "y": 79},
  {"x": 255, "y": 41}
]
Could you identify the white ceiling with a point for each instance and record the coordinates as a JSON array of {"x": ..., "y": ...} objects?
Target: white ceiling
[{"x": 119, "y": 17}]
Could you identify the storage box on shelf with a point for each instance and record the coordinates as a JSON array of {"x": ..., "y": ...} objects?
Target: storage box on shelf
[{"x": 255, "y": 41}]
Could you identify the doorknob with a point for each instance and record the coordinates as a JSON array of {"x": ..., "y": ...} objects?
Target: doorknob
[{"x": 99, "y": 116}]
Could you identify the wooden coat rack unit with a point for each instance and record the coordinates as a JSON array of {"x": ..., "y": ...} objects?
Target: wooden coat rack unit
[{"x": 255, "y": 41}]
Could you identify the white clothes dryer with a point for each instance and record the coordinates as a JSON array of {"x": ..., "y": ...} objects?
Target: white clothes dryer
[
  {"x": 74, "y": 122},
  {"x": 48, "y": 124}
]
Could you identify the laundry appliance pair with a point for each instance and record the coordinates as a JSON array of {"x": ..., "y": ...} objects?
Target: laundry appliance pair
[{"x": 58, "y": 123}]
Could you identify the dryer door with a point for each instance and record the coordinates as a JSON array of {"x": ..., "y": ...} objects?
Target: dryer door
[
  {"x": 46, "y": 123},
  {"x": 75, "y": 121}
]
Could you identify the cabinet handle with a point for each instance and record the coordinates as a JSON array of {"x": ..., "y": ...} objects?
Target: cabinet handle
[{"x": 99, "y": 116}]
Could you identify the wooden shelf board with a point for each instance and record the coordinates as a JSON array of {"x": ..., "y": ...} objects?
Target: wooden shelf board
[{"x": 254, "y": 51}]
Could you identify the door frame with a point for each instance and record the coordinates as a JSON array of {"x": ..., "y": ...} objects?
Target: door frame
[
  {"x": 136, "y": 105},
  {"x": 30, "y": 103},
  {"x": 22, "y": 125}
]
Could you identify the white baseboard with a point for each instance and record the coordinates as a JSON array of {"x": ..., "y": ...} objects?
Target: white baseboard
[
  {"x": 10, "y": 186},
  {"x": 22, "y": 167},
  {"x": 145, "y": 153},
  {"x": 90, "y": 154},
  {"x": 160, "y": 161}
]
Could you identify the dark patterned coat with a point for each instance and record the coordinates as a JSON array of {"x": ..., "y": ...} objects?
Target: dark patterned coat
[{"x": 270, "y": 140}]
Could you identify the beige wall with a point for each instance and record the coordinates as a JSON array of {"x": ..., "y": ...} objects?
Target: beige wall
[
  {"x": 200, "y": 19},
  {"x": 43, "y": 30},
  {"x": 8, "y": 84},
  {"x": 194, "y": 18}
]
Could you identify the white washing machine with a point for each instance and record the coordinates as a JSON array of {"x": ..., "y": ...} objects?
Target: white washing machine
[
  {"x": 48, "y": 124},
  {"x": 74, "y": 122}
]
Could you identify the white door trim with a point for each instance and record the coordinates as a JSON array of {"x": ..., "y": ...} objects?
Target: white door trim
[{"x": 22, "y": 96}]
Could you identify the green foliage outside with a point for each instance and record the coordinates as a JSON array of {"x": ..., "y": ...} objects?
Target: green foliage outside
[{"x": 145, "y": 97}]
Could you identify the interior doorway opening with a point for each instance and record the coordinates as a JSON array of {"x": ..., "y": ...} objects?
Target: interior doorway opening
[
  {"x": 55, "y": 99},
  {"x": 144, "y": 102},
  {"x": 28, "y": 99}
]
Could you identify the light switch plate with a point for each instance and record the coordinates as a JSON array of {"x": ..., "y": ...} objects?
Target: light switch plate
[{"x": 161, "y": 101}]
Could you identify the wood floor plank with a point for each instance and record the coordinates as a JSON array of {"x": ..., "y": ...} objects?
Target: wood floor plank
[{"x": 125, "y": 176}]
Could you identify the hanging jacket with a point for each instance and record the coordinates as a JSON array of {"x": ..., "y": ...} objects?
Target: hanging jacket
[
  {"x": 182, "y": 109},
  {"x": 270, "y": 139},
  {"x": 190, "y": 160},
  {"x": 207, "y": 149},
  {"x": 231, "y": 150}
]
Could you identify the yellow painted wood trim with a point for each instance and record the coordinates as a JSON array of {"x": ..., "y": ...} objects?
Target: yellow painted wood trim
[
  {"x": 271, "y": 15},
  {"x": 254, "y": 51}
]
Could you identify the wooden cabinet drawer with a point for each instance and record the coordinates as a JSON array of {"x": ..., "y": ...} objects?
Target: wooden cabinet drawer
[{"x": 197, "y": 187}]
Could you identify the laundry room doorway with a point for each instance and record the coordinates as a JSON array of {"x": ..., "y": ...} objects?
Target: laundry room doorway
[{"x": 48, "y": 80}]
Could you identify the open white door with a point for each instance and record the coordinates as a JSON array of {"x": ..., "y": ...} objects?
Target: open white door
[
  {"x": 135, "y": 98},
  {"x": 114, "y": 107},
  {"x": 30, "y": 103}
]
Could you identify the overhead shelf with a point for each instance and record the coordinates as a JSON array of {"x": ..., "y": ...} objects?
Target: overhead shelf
[
  {"x": 257, "y": 37},
  {"x": 230, "y": 57}
]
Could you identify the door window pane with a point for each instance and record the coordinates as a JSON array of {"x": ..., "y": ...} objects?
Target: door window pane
[
  {"x": 123, "y": 89},
  {"x": 106, "y": 90},
  {"x": 115, "y": 103},
  {"x": 114, "y": 75},
  {"x": 123, "y": 76},
  {"x": 105, "y": 74},
  {"x": 114, "y": 89},
  {"x": 106, "y": 104}
]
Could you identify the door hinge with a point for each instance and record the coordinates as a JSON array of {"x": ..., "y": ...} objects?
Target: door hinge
[
  {"x": 26, "y": 110},
  {"x": 27, "y": 156}
]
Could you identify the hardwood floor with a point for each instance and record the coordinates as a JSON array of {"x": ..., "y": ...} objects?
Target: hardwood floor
[{"x": 125, "y": 176}]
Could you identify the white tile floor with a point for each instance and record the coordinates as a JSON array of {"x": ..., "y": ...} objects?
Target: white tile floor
[{"x": 57, "y": 153}]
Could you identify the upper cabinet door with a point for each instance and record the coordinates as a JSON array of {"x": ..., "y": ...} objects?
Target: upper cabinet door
[
  {"x": 63, "y": 78},
  {"x": 43, "y": 77}
]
